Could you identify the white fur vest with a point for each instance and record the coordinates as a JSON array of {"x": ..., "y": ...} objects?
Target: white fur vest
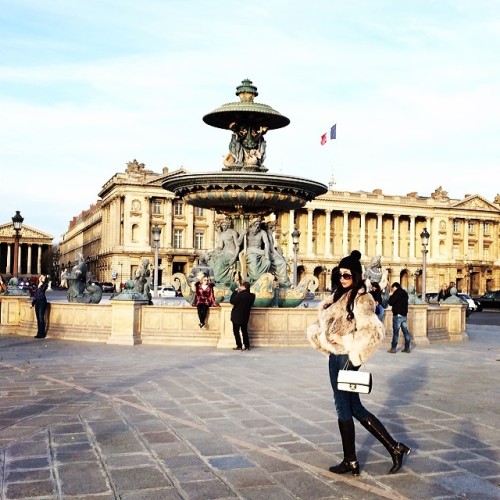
[{"x": 334, "y": 333}]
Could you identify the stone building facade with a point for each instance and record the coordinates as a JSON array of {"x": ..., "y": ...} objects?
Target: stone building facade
[{"x": 464, "y": 247}]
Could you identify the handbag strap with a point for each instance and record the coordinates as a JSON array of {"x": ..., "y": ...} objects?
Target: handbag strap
[{"x": 348, "y": 361}]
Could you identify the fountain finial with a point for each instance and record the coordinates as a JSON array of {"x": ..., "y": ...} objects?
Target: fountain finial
[{"x": 246, "y": 91}]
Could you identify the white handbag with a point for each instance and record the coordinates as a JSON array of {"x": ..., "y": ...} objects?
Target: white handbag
[{"x": 354, "y": 381}]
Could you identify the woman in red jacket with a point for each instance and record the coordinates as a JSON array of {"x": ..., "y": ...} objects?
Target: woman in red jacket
[{"x": 204, "y": 298}]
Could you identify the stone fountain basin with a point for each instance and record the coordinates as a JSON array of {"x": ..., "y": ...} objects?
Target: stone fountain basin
[{"x": 243, "y": 192}]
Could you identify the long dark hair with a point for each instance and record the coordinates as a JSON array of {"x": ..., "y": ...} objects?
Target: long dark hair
[
  {"x": 358, "y": 285},
  {"x": 377, "y": 293}
]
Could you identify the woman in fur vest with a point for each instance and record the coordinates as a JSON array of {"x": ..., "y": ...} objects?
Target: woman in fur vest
[{"x": 349, "y": 332}]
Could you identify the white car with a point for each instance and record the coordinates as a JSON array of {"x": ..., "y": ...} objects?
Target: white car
[
  {"x": 467, "y": 298},
  {"x": 167, "y": 291}
]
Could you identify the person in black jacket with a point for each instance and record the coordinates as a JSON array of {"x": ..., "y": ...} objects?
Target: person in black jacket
[
  {"x": 39, "y": 302},
  {"x": 242, "y": 300},
  {"x": 398, "y": 300}
]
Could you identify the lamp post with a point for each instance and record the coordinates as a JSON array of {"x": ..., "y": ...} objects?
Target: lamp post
[
  {"x": 424, "y": 236},
  {"x": 56, "y": 254},
  {"x": 156, "y": 239},
  {"x": 295, "y": 241},
  {"x": 17, "y": 223}
]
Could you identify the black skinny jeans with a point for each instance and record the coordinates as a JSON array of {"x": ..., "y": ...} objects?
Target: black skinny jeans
[{"x": 202, "y": 312}]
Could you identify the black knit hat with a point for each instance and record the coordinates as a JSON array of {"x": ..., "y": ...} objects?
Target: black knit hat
[{"x": 352, "y": 262}]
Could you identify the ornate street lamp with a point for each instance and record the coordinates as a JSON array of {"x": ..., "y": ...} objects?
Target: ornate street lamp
[
  {"x": 17, "y": 223},
  {"x": 424, "y": 236},
  {"x": 295, "y": 241},
  {"x": 56, "y": 254},
  {"x": 156, "y": 239}
]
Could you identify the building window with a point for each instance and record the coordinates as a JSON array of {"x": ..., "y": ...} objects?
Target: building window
[
  {"x": 487, "y": 228},
  {"x": 156, "y": 207},
  {"x": 178, "y": 208},
  {"x": 456, "y": 226},
  {"x": 135, "y": 233},
  {"x": 199, "y": 240},
  {"x": 471, "y": 227},
  {"x": 198, "y": 211},
  {"x": 178, "y": 238}
]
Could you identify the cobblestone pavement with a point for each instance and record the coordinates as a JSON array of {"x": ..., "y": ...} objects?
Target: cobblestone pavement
[{"x": 95, "y": 421}]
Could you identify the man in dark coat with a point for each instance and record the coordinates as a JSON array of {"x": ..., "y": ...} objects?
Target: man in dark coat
[
  {"x": 242, "y": 301},
  {"x": 398, "y": 300}
]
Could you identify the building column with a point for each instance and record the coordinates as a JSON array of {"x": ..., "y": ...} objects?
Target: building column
[
  {"x": 190, "y": 226},
  {"x": 29, "y": 268},
  {"x": 168, "y": 225},
  {"x": 148, "y": 237},
  {"x": 310, "y": 213},
  {"x": 465, "y": 236},
  {"x": 480, "y": 243},
  {"x": 328, "y": 223},
  {"x": 379, "y": 234},
  {"x": 39, "y": 263},
  {"x": 362, "y": 233},
  {"x": 412, "y": 237},
  {"x": 291, "y": 227},
  {"x": 434, "y": 237},
  {"x": 9, "y": 251},
  {"x": 345, "y": 233},
  {"x": 210, "y": 233},
  {"x": 117, "y": 227},
  {"x": 19, "y": 260},
  {"x": 395, "y": 251},
  {"x": 449, "y": 238}
]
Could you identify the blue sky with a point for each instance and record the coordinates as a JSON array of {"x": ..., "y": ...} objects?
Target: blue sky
[{"x": 87, "y": 86}]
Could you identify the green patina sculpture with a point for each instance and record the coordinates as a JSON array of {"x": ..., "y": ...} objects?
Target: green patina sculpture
[
  {"x": 13, "y": 288},
  {"x": 130, "y": 292}
]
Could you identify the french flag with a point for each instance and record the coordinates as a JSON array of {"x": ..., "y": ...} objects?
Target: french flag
[{"x": 333, "y": 135}]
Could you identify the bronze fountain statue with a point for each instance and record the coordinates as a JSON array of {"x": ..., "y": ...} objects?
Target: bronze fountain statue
[{"x": 245, "y": 194}]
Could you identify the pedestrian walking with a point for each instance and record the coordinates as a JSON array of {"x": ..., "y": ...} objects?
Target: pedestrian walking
[
  {"x": 204, "y": 298},
  {"x": 349, "y": 331},
  {"x": 242, "y": 300},
  {"x": 398, "y": 300},
  {"x": 39, "y": 302}
]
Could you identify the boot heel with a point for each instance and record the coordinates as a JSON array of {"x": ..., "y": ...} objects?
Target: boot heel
[
  {"x": 351, "y": 466},
  {"x": 397, "y": 456},
  {"x": 404, "y": 449}
]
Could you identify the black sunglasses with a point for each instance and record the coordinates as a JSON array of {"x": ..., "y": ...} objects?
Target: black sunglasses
[{"x": 346, "y": 276}]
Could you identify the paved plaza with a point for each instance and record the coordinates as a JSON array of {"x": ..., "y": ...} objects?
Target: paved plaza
[{"x": 94, "y": 421}]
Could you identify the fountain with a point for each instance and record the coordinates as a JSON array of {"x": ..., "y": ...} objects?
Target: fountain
[{"x": 245, "y": 193}]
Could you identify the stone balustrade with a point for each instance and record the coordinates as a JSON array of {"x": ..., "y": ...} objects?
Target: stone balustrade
[{"x": 131, "y": 323}]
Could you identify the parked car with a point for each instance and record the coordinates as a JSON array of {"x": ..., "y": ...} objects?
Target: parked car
[
  {"x": 167, "y": 291},
  {"x": 23, "y": 284},
  {"x": 107, "y": 287},
  {"x": 468, "y": 299},
  {"x": 468, "y": 310},
  {"x": 430, "y": 298},
  {"x": 490, "y": 299}
]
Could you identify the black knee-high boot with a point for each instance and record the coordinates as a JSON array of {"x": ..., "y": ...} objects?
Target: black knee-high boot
[
  {"x": 375, "y": 427},
  {"x": 350, "y": 462}
]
